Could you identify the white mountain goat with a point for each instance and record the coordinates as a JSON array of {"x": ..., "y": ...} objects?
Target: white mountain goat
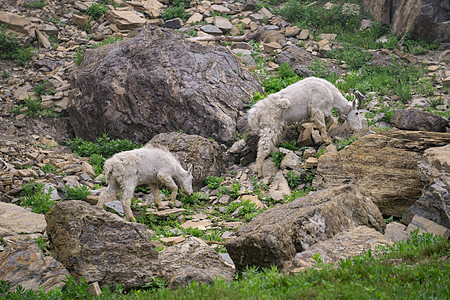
[
  {"x": 150, "y": 165},
  {"x": 310, "y": 99}
]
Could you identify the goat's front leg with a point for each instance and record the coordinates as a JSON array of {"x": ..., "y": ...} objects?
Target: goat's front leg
[
  {"x": 170, "y": 184},
  {"x": 319, "y": 122},
  {"x": 156, "y": 195}
]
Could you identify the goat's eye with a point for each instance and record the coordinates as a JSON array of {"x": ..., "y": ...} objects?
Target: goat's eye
[{"x": 356, "y": 113}]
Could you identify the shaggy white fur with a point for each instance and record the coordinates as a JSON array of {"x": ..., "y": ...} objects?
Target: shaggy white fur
[
  {"x": 150, "y": 165},
  {"x": 310, "y": 99}
]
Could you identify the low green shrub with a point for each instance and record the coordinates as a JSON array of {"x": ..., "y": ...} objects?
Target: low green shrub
[
  {"x": 34, "y": 195},
  {"x": 277, "y": 157},
  {"x": 36, "y": 4},
  {"x": 76, "y": 193},
  {"x": 213, "y": 182},
  {"x": 10, "y": 48},
  {"x": 96, "y": 10}
]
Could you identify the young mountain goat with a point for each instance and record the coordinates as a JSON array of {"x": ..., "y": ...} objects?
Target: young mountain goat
[
  {"x": 310, "y": 99},
  {"x": 150, "y": 165}
]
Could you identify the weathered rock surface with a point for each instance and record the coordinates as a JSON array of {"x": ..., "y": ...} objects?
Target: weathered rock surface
[
  {"x": 343, "y": 245},
  {"x": 382, "y": 166},
  {"x": 276, "y": 235},
  {"x": 192, "y": 260},
  {"x": 159, "y": 82},
  {"x": 23, "y": 263},
  {"x": 422, "y": 19},
  {"x": 414, "y": 119},
  {"x": 100, "y": 246},
  {"x": 426, "y": 226},
  {"x": 15, "y": 220},
  {"x": 434, "y": 204},
  {"x": 205, "y": 155}
]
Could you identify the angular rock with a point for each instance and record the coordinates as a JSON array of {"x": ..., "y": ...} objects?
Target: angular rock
[
  {"x": 23, "y": 263},
  {"x": 365, "y": 164},
  {"x": 276, "y": 235},
  {"x": 16, "y": 22},
  {"x": 415, "y": 119},
  {"x": 159, "y": 82},
  {"x": 124, "y": 19},
  {"x": 176, "y": 23},
  {"x": 434, "y": 204},
  {"x": 205, "y": 155},
  {"x": 427, "y": 226},
  {"x": 222, "y": 23},
  {"x": 15, "y": 220},
  {"x": 192, "y": 260},
  {"x": 396, "y": 232},
  {"x": 344, "y": 245},
  {"x": 100, "y": 246}
]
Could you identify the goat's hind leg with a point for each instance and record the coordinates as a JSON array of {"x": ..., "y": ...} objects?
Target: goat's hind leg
[
  {"x": 108, "y": 194},
  {"x": 156, "y": 195},
  {"x": 128, "y": 190}
]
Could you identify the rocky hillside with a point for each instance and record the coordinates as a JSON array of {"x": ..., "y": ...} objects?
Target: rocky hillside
[{"x": 183, "y": 75}]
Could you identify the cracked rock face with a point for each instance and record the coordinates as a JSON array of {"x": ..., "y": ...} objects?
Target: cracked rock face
[
  {"x": 275, "y": 236},
  {"x": 159, "y": 82}
]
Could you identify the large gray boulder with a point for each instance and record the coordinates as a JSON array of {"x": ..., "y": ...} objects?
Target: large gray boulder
[
  {"x": 159, "y": 82},
  {"x": 275, "y": 236},
  {"x": 206, "y": 156},
  {"x": 415, "y": 119},
  {"x": 382, "y": 166},
  {"x": 101, "y": 247},
  {"x": 24, "y": 264},
  {"x": 423, "y": 19}
]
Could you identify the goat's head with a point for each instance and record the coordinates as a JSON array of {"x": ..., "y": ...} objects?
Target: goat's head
[
  {"x": 353, "y": 117},
  {"x": 186, "y": 182}
]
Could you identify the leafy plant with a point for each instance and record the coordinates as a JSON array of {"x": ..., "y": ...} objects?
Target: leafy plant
[
  {"x": 291, "y": 145},
  {"x": 175, "y": 12},
  {"x": 277, "y": 157},
  {"x": 6, "y": 74},
  {"x": 293, "y": 179},
  {"x": 36, "y": 4},
  {"x": 43, "y": 245},
  {"x": 10, "y": 47},
  {"x": 35, "y": 196},
  {"x": 213, "y": 182},
  {"x": 343, "y": 143},
  {"x": 108, "y": 40},
  {"x": 76, "y": 193},
  {"x": 96, "y": 10},
  {"x": 49, "y": 168},
  {"x": 44, "y": 88}
]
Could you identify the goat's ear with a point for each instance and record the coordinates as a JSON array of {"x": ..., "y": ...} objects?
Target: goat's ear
[{"x": 284, "y": 103}]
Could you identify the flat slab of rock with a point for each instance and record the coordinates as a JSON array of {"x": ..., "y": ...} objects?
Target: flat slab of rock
[
  {"x": 23, "y": 263},
  {"x": 382, "y": 166},
  {"x": 125, "y": 19},
  {"x": 15, "y": 220},
  {"x": 276, "y": 235},
  {"x": 415, "y": 119},
  {"x": 344, "y": 245}
]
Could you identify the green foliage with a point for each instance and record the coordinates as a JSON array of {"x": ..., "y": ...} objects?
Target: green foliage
[
  {"x": 247, "y": 209},
  {"x": 342, "y": 144},
  {"x": 293, "y": 179},
  {"x": 104, "y": 146},
  {"x": 35, "y": 196},
  {"x": 285, "y": 77},
  {"x": 10, "y": 47},
  {"x": 5, "y": 74},
  {"x": 417, "y": 47},
  {"x": 49, "y": 168},
  {"x": 213, "y": 182},
  {"x": 354, "y": 57},
  {"x": 258, "y": 96},
  {"x": 97, "y": 161},
  {"x": 277, "y": 157},
  {"x": 76, "y": 193},
  {"x": 312, "y": 15},
  {"x": 193, "y": 199},
  {"x": 75, "y": 290},
  {"x": 79, "y": 56},
  {"x": 43, "y": 245},
  {"x": 44, "y": 88},
  {"x": 96, "y": 10},
  {"x": 291, "y": 145},
  {"x": 175, "y": 12},
  {"x": 36, "y": 4},
  {"x": 108, "y": 40}
]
